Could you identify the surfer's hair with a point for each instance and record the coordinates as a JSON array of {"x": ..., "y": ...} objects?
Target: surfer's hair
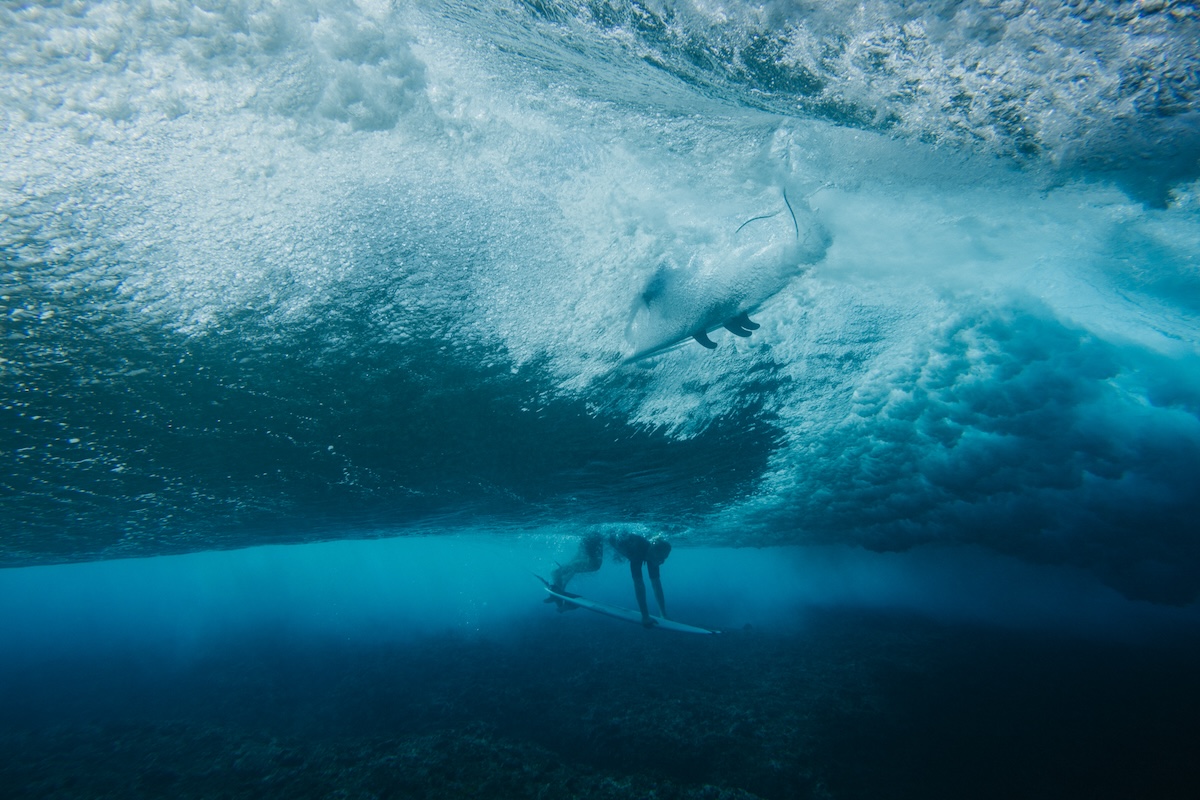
[{"x": 658, "y": 550}]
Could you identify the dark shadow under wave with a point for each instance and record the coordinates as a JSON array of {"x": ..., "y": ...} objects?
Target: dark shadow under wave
[{"x": 256, "y": 434}]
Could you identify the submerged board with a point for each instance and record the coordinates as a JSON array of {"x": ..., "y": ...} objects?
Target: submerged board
[
  {"x": 686, "y": 338},
  {"x": 627, "y": 614}
]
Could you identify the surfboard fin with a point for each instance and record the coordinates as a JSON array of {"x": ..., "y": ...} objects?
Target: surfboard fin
[
  {"x": 702, "y": 338},
  {"x": 733, "y": 327},
  {"x": 743, "y": 320}
]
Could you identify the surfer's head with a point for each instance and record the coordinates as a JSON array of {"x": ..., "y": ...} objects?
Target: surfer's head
[{"x": 658, "y": 550}]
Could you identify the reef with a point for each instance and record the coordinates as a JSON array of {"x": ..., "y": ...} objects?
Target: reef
[{"x": 855, "y": 705}]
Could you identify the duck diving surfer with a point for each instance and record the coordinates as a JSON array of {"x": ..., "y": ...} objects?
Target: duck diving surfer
[{"x": 627, "y": 546}]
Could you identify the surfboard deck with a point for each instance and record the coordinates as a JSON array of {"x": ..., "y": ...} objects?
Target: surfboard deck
[{"x": 617, "y": 612}]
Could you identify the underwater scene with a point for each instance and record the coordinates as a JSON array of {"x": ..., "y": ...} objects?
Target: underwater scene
[{"x": 600, "y": 399}]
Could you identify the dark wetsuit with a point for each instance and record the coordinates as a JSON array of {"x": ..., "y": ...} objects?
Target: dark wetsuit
[{"x": 634, "y": 548}]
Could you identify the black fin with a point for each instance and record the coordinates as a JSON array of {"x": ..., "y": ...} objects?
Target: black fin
[
  {"x": 702, "y": 338},
  {"x": 735, "y": 328},
  {"x": 742, "y": 320}
]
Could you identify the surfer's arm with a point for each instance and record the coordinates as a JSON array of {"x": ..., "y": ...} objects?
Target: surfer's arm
[
  {"x": 639, "y": 590},
  {"x": 658, "y": 590}
]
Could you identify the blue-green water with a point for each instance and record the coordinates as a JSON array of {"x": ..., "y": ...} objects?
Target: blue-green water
[
  {"x": 428, "y": 667},
  {"x": 323, "y": 325}
]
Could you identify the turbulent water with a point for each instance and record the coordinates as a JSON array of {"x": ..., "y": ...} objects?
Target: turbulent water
[{"x": 288, "y": 272}]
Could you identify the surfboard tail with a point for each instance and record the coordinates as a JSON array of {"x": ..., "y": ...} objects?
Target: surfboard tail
[{"x": 559, "y": 596}]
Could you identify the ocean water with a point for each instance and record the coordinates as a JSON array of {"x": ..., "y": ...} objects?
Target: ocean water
[{"x": 326, "y": 324}]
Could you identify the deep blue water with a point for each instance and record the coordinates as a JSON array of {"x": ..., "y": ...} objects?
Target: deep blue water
[{"x": 325, "y": 324}]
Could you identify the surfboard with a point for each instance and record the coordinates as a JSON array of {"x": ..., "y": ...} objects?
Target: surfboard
[
  {"x": 684, "y": 339},
  {"x": 617, "y": 612}
]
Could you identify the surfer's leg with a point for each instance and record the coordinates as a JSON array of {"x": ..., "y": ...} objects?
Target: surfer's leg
[{"x": 588, "y": 558}]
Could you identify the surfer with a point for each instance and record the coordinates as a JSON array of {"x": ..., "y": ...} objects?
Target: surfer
[{"x": 628, "y": 546}]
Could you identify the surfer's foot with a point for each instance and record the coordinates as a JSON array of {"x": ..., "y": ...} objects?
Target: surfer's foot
[
  {"x": 649, "y": 622},
  {"x": 562, "y": 605}
]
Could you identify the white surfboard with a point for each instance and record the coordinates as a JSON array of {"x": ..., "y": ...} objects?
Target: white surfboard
[{"x": 627, "y": 614}]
